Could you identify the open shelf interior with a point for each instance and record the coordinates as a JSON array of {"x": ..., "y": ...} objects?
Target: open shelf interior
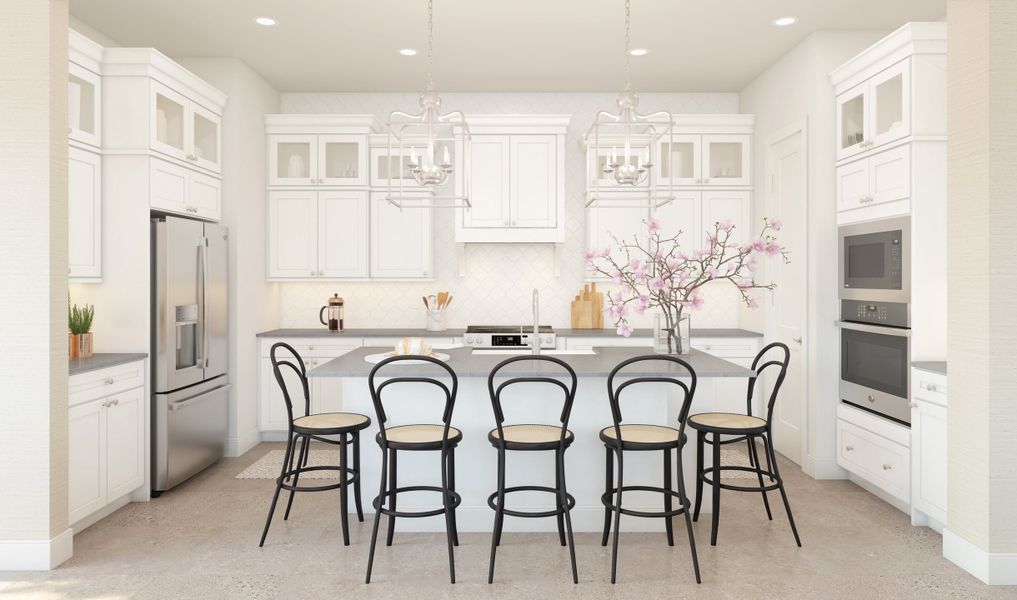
[
  {"x": 342, "y": 160},
  {"x": 294, "y": 160},
  {"x": 725, "y": 160},
  {"x": 682, "y": 156},
  {"x": 81, "y": 105},
  {"x": 889, "y": 104},
  {"x": 206, "y": 138},
  {"x": 852, "y": 118}
]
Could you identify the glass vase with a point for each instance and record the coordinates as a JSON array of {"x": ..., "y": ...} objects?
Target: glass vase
[{"x": 671, "y": 337}]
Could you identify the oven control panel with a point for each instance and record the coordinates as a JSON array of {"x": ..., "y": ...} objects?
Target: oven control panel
[{"x": 893, "y": 314}]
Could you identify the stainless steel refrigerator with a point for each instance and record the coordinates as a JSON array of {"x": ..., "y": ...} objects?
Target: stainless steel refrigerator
[{"x": 190, "y": 348}]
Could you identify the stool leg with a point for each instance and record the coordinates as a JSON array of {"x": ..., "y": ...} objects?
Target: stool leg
[
  {"x": 688, "y": 519},
  {"x": 301, "y": 461},
  {"x": 668, "y": 525},
  {"x": 378, "y": 503},
  {"x": 278, "y": 488},
  {"x": 617, "y": 515},
  {"x": 344, "y": 516},
  {"x": 768, "y": 448},
  {"x": 716, "y": 489},
  {"x": 446, "y": 504},
  {"x": 394, "y": 482},
  {"x": 560, "y": 517},
  {"x": 498, "y": 514},
  {"x": 700, "y": 449},
  {"x": 563, "y": 499},
  {"x": 608, "y": 483},
  {"x": 754, "y": 459},
  {"x": 452, "y": 487},
  {"x": 356, "y": 480}
]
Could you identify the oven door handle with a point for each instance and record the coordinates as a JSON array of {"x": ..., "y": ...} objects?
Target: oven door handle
[{"x": 894, "y": 331}]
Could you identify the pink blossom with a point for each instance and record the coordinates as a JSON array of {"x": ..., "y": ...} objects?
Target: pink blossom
[
  {"x": 590, "y": 254},
  {"x": 694, "y": 302},
  {"x": 772, "y": 248},
  {"x": 657, "y": 254},
  {"x": 653, "y": 225},
  {"x": 712, "y": 272},
  {"x": 752, "y": 265},
  {"x": 758, "y": 244},
  {"x": 745, "y": 248},
  {"x": 726, "y": 225},
  {"x": 683, "y": 256},
  {"x": 776, "y": 223},
  {"x": 744, "y": 283},
  {"x": 624, "y": 329},
  {"x": 753, "y": 303},
  {"x": 642, "y": 304},
  {"x": 655, "y": 284},
  {"x": 605, "y": 251},
  {"x": 634, "y": 264},
  {"x": 671, "y": 264},
  {"x": 617, "y": 277}
]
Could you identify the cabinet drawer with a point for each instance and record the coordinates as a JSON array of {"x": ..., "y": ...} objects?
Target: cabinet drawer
[
  {"x": 927, "y": 386},
  {"x": 875, "y": 459},
  {"x": 315, "y": 347},
  {"x": 103, "y": 382},
  {"x": 727, "y": 347}
]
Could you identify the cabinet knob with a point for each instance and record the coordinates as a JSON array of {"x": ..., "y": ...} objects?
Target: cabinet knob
[
  {"x": 914, "y": 404},
  {"x": 849, "y": 448},
  {"x": 798, "y": 340},
  {"x": 108, "y": 381},
  {"x": 312, "y": 273},
  {"x": 887, "y": 467},
  {"x": 871, "y": 398},
  {"x": 930, "y": 387}
]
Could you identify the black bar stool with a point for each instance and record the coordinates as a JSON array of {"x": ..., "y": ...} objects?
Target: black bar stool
[
  {"x": 622, "y": 437},
  {"x": 315, "y": 427},
  {"x": 416, "y": 438},
  {"x": 743, "y": 427},
  {"x": 533, "y": 438}
]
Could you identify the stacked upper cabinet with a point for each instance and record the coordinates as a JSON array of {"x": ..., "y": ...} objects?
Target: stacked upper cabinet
[
  {"x": 891, "y": 122},
  {"x": 708, "y": 163},
  {"x": 84, "y": 160}
]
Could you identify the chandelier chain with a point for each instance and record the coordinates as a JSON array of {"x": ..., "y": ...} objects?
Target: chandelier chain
[
  {"x": 430, "y": 44},
  {"x": 628, "y": 7}
]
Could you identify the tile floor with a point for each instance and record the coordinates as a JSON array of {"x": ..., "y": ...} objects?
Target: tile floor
[{"x": 201, "y": 541}]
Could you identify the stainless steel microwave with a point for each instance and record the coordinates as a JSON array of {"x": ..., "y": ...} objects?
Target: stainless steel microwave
[{"x": 875, "y": 261}]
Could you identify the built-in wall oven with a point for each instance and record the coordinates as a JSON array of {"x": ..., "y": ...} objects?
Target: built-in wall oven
[{"x": 875, "y": 261}]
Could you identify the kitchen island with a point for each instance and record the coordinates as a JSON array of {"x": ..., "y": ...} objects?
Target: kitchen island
[{"x": 721, "y": 386}]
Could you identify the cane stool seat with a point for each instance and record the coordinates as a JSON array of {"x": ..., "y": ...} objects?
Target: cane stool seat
[
  {"x": 648, "y": 437},
  {"x": 332, "y": 422},
  {"x": 530, "y": 437},
  {"x": 727, "y": 422},
  {"x": 420, "y": 437}
]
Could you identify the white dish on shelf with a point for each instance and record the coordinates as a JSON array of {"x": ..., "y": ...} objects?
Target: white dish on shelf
[{"x": 377, "y": 358}]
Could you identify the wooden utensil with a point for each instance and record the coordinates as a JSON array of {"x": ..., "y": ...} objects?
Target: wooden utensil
[
  {"x": 442, "y": 300},
  {"x": 587, "y": 308}
]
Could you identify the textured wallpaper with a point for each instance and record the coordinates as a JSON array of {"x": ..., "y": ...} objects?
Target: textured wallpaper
[{"x": 499, "y": 279}]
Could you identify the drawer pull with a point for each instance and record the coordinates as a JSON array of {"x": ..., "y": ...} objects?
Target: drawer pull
[
  {"x": 930, "y": 387},
  {"x": 914, "y": 404},
  {"x": 871, "y": 398},
  {"x": 887, "y": 467},
  {"x": 849, "y": 448},
  {"x": 108, "y": 381}
]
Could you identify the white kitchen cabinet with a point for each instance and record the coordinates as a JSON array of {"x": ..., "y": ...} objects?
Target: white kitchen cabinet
[
  {"x": 683, "y": 214},
  {"x": 293, "y": 234},
  {"x": 490, "y": 165},
  {"x": 380, "y": 165},
  {"x": 875, "y": 450},
  {"x": 86, "y": 468},
  {"x": 734, "y": 206},
  {"x": 317, "y": 160},
  {"x": 183, "y": 129},
  {"x": 401, "y": 245},
  {"x": 613, "y": 149},
  {"x": 343, "y": 218},
  {"x": 84, "y": 214},
  {"x": 533, "y": 195},
  {"x": 317, "y": 234},
  {"x": 696, "y": 212},
  {"x": 180, "y": 190},
  {"x": 706, "y": 160},
  {"x": 681, "y": 161},
  {"x": 874, "y": 112},
  {"x": 605, "y": 225},
  {"x": 928, "y": 448},
  {"x": 84, "y": 105},
  {"x": 125, "y": 443},
  {"x": 877, "y": 179}
]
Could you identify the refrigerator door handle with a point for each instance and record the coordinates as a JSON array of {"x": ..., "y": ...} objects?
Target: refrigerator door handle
[{"x": 205, "y": 338}]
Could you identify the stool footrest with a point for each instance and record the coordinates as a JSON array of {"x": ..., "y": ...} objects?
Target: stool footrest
[
  {"x": 351, "y": 477},
  {"x": 741, "y": 488},
  {"x": 455, "y": 501},
  {"x": 606, "y": 500},
  {"x": 570, "y": 502}
]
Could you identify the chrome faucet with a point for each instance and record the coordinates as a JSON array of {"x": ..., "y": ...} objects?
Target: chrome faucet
[{"x": 536, "y": 323}]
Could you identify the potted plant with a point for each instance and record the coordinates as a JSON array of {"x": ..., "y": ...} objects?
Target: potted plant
[
  {"x": 79, "y": 320},
  {"x": 658, "y": 274}
]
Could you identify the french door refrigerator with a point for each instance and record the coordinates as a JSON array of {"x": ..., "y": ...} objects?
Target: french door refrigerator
[{"x": 190, "y": 349}]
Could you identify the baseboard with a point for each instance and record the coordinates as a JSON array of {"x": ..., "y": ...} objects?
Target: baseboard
[
  {"x": 823, "y": 468},
  {"x": 36, "y": 555},
  {"x": 274, "y": 436},
  {"x": 993, "y": 568},
  {"x": 893, "y": 501},
  {"x": 238, "y": 446}
]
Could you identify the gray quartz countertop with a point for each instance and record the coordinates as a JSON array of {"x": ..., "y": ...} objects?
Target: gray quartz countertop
[
  {"x": 102, "y": 361},
  {"x": 933, "y": 366},
  {"x": 394, "y": 332},
  {"x": 467, "y": 364}
]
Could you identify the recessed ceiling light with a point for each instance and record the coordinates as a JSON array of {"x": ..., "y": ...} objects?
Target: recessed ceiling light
[
  {"x": 408, "y": 52},
  {"x": 638, "y": 52},
  {"x": 266, "y": 21},
  {"x": 784, "y": 21}
]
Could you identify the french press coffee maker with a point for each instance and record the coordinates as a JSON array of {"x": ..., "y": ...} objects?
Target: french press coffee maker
[{"x": 334, "y": 309}]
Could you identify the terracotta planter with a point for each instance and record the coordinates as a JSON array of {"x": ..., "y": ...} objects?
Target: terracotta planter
[
  {"x": 73, "y": 345},
  {"x": 84, "y": 345}
]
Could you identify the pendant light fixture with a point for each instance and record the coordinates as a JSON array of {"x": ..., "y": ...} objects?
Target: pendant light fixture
[
  {"x": 625, "y": 178},
  {"x": 428, "y": 152}
]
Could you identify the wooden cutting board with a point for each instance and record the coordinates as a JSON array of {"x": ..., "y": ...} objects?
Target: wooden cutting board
[{"x": 588, "y": 309}]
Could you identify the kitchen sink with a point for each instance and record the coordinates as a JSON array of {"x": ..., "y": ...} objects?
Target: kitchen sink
[{"x": 522, "y": 351}]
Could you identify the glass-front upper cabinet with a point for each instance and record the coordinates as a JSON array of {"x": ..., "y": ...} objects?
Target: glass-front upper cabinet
[
  {"x": 726, "y": 160},
  {"x": 851, "y": 121},
  {"x": 205, "y": 138},
  {"x": 185, "y": 130},
  {"x": 318, "y": 160},
  {"x": 614, "y": 153},
  {"x": 84, "y": 105},
  {"x": 342, "y": 160},
  {"x": 293, "y": 160},
  {"x": 681, "y": 163},
  {"x": 890, "y": 102}
]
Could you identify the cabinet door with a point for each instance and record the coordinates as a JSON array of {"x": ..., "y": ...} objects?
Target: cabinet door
[
  {"x": 928, "y": 459},
  {"x": 400, "y": 240},
  {"x": 293, "y": 234},
  {"x": 682, "y": 214},
  {"x": 890, "y": 104},
  {"x": 490, "y": 181},
  {"x": 292, "y": 160},
  {"x": 84, "y": 213},
  {"x": 638, "y": 153},
  {"x": 326, "y": 392},
  {"x": 205, "y": 196},
  {"x": 682, "y": 162},
  {"x": 853, "y": 185},
  {"x": 728, "y": 206},
  {"x": 533, "y": 191},
  {"x": 86, "y": 466},
  {"x": 169, "y": 187},
  {"x": 398, "y": 166},
  {"x": 206, "y": 138},
  {"x": 343, "y": 223},
  {"x": 852, "y": 120},
  {"x": 606, "y": 223},
  {"x": 342, "y": 160},
  {"x": 169, "y": 129},
  {"x": 84, "y": 105},
  {"x": 727, "y": 160},
  {"x": 890, "y": 174},
  {"x": 125, "y": 443}
]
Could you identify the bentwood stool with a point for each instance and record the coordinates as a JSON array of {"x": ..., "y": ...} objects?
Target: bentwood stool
[
  {"x": 442, "y": 438},
  {"x": 632, "y": 437},
  {"x": 314, "y": 427},
  {"x": 533, "y": 438},
  {"x": 750, "y": 428}
]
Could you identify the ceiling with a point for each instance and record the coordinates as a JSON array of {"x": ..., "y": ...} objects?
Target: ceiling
[{"x": 492, "y": 45}]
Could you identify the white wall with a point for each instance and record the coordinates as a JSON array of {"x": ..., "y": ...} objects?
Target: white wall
[
  {"x": 499, "y": 279},
  {"x": 33, "y": 299},
  {"x": 254, "y": 303},
  {"x": 797, "y": 86}
]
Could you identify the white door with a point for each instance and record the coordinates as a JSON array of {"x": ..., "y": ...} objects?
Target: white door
[
  {"x": 343, "y": 222},
  {"x": 86, "y": 467},
  {"x": 125, "y": 443},
  {"x": 534, "y": 181},
  {"x": 682, "y": 214},
  {"x": 205, "y": 196},
  {"x": 787, "y": 179},
  {"x": 489, "y": 180},
  {"x": 400, "y": 241},
  {"x": 84, "y": 213},
  {"x": 293, "y": 234},
  {"x": 169, "y": 185},
  {"x": 733, "y": 206}
]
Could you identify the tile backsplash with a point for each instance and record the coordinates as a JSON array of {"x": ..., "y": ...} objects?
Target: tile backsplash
[{"x": 499, "y": 278}]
